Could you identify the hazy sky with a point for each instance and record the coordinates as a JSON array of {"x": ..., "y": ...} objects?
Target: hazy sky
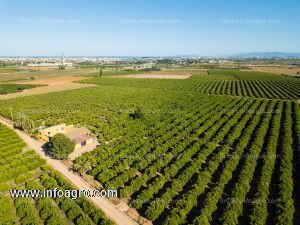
[{"x": 148, "y": 27}]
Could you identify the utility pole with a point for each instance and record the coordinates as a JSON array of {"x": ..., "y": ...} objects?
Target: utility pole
[
  {"x": 11, "y": 114},
  {"x": 101, "y": 72}
]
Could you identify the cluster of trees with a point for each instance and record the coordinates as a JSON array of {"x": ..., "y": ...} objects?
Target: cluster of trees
[
  {"x": 137, "y": 114},
  {"x": 60, "y": 146},
  {"x": 23, "y": 122}
]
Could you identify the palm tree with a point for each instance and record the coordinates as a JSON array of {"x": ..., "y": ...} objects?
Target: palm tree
[{"x": 85, "y": 167}]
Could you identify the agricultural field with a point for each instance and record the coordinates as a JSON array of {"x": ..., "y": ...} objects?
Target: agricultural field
[
  {"x": 217, "y": 148},
  {"x": 291, "y": 71},
  {"x": 12, "y": 75},
  {"x": 13, "y": 88},
  {"x": 21, "y": 168},
  {"x": 221, "y": 82}
]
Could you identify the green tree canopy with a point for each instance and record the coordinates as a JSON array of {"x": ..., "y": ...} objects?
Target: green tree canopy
[
  {"x": 60, "y": 146},
  {"x": 137, "y": 114}
]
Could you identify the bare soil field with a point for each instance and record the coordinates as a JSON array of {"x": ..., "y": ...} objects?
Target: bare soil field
[
  {"x": 51, "y": 81},
  {"x": 279, "y": 70},
  {"x": 45, "y": 74},
  {"x": 54, "y": 84}
]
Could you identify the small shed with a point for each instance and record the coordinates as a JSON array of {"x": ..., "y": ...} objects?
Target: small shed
[{"x": 81, "y": 135}]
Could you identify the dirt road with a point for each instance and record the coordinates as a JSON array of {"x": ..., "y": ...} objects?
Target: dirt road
[{"x": 104, "y": 204}]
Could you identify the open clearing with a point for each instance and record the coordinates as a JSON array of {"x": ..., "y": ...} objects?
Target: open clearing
[
  {"x": 280, "y": 70},
  {"x": 26, "y": 75},
  {"x": 51, "y": 81},
  {"x": 53, "y": 85}
]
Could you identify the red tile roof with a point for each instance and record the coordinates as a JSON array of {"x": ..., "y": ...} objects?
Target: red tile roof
[{"x": 82, "y": 138}]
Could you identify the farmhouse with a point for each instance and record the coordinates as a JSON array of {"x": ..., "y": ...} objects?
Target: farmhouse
[{"x": 81, "y": 135}]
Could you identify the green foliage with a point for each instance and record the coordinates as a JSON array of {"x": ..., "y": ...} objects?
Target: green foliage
[
  {"x": 13, "y": 162},
  {"x": 137, "y": 114},
  {"x": 24, "y": 123},
  {"x": 285, "y": 206},
  {"x": 60, "y": 146},
  {"x": 195, "y": 147},
  {"x": 6, "y": 211},
  {"x": 27, "y": 211},
  {"x": 12, "y": 88},
  {"x": 62, "y": 67},
  {"x": 17, "y": 166},
  {"x": 23, "y": 178}
]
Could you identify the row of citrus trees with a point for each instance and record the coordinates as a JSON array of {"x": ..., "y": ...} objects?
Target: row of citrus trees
[
  {"x": 40, "y": 210},
  {"x": 252, "y": 126},
  {"x": 259, "y": 202},
  {"x": 271, "y": 89},
  {"x": 14, "y": 163},
  {"x": 187, "y": 200},
  {"x": 237, "y": 83},
  {"x": 191, "y": 167},
  {"x": 165, "y": 136},
  {"x": 174, "y": 135}
]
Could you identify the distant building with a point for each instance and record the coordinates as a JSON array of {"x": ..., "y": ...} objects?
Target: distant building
[
  {"x": 81, "y": 135},
  {"x": 50, "y": 64}
]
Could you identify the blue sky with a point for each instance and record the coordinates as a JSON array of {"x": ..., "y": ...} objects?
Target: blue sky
[{"x": 148, "y": 27}]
